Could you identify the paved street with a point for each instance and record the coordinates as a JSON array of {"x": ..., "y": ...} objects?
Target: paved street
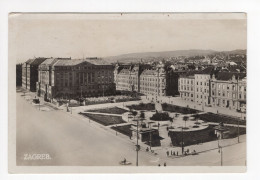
[{"x": 70, "y": 140}]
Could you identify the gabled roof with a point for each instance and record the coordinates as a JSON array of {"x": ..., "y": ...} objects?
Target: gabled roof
[
  {"x": 51, "y": 61},
  {"x": 73, "y": 62}
]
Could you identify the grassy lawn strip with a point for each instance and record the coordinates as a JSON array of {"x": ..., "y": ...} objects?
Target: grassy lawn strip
[
  {"x": 113, "y": 110},
  {"x": 217, "y": 118},
  {"x": 201, "y": 136},
  {"x": 104, "y": 119},
  {"x": 142, "y": 106},
  {"x": 123, "y": 129}
]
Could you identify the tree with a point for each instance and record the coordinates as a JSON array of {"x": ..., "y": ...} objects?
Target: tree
[
  {"x": 171, "y": 120},
  {"x": 142, "y": 115},
  {"x": 196, "y": 117},
  {"x": 185, "y": 118}
]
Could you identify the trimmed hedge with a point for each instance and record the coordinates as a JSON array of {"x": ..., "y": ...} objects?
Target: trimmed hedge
[
  {"x": 158, "y": 116},
  {"x": 178, "y": 109},
  {"x": 142, "y": 106}
]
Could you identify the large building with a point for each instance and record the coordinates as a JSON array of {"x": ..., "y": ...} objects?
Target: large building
[
  {"x": 30, "y": 73},
  {"x": 228, "y": 89},
  {"x": 187, "y": 86},
  {"x": 18, "y": 74},
  {"x": 45, "y": 81},
  {"x": 214, "y": 87},
  {"x": 156, "y": 80},
  {"x": 90, "y": 77}
]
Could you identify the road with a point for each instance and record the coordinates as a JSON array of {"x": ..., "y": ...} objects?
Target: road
[{"x": 70, "y": 141}]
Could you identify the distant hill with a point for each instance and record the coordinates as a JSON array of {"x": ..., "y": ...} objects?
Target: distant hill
[{"x": 136, "y": 57}]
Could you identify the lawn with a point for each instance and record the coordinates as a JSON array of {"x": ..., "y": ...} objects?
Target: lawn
[
  {"x": 104, "y": 119},
  {"x": 201, "y": 136},
  {"x": 113, "y": 110},
  {"x": 178, "y": 109},
  {"x": 123, "y": 129},
  {"x": 142, "y": 106},
  {"x": 217, "y": 118}
]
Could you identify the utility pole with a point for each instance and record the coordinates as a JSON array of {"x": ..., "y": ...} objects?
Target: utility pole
[
  {"x": 238, "y": 131},
  {"x": 137, "y": 146},
  {"x": 182, "y": 148},
  {"x": 221, "y": 154}
]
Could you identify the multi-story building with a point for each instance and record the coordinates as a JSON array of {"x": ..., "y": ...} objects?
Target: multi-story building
[
  {"x": 146, "y": 79},
  {"x": 18, "y": 74},
  {"x": 228, "y": 89},
  {"x": 30, "y": 73},
  {"x": 202, "y": 85},
  {"x": 45, "y": 83},
  {"x": 214, "y": 87},
  {"x": 90, "y": 77},
  {"x": 187, "y": 86}
]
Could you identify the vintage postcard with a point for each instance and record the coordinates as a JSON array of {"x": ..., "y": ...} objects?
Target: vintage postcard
[{"x": 127, "y": 92}]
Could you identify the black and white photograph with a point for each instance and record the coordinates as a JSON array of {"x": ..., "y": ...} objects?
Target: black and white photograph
[{"x": 143, "y": 90}]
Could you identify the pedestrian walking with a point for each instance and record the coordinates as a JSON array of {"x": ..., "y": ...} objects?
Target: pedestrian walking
[
  {"x": 174, "y": 153},
  {"x": 164, "y": 164},
  {"x": 177, "y": 153},
  {"x": 159, "y": 165},
  {"x": 167, "y": 153},
  {"x": 171, "y": 152}
]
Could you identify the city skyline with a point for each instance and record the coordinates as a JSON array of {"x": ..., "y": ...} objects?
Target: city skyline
[{"x": 81, "y": 36}]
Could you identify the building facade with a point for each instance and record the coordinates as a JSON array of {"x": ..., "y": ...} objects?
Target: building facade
[
  {"x": 90, "y": 77},
  {"x": 213, "y": 87},
  {"x": 186, "y": 86},
  {"x": 228, "y": 90},
  {"x": 45, "y": 80},
  {"x": 30, "y": 73},
  {"x": 18, "y": 74},
  {"x": 146, "y": 79}
]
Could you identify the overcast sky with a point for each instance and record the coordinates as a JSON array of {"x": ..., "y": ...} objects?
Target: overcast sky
[{"x": 105, "y": 35}]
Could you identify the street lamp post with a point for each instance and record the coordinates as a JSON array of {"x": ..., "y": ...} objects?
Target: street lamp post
[
  {"x": 182, "y": 143},
  {"x": 238, "y": 131},
  {"x": 39, "y": 104},
  {"x": 137, "y": 145}
]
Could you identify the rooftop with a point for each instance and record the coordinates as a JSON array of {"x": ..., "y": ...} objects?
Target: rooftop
[{"x": 225, "y": 76}]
